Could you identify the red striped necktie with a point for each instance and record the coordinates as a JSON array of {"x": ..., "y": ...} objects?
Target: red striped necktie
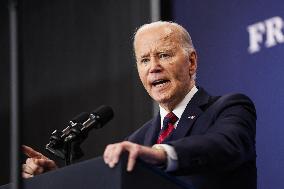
[{"x": 168, "y": 127}]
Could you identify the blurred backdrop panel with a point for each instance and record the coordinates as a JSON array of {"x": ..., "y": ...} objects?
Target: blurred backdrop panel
[
  {"x": 76, "y": 56},
  {"x": 4, "y": 93},
  {"x": 240, "y": 46}
]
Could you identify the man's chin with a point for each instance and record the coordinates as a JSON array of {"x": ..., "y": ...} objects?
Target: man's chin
[{"x": 162, "y": 100}]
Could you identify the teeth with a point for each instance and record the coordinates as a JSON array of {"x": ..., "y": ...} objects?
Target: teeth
[{"x": 159, "y": 82}]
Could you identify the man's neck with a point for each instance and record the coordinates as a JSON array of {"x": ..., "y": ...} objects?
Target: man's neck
[
  {"x": 179, "y": 109},
  {"x": 171, "y": 105}
]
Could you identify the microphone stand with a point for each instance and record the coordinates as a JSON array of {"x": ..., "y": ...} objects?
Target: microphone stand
[
  {"x": 66, "y": 144},
  {"x": 69, "y": 148},
  {"x": 68, "y": 156}
]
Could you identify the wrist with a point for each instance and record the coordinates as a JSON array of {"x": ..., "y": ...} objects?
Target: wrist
[{"x": 162, "y": 160}]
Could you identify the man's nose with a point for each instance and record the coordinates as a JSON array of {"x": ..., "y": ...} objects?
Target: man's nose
[{"x": 155, "y": 65}]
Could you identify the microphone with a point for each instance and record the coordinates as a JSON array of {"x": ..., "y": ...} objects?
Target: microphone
[
  {"x": 66, "y": 143},
  {"x": 97, "y": 119},
  {"x": 79, "y": 119},
  {"x": 56, "y": 140}
]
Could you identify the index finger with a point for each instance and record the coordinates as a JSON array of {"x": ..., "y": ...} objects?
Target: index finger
[{"x": 31, "y": 152}]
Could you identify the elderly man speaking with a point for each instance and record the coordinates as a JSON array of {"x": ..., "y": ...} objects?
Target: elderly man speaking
[{"x": 207, "y": 141}]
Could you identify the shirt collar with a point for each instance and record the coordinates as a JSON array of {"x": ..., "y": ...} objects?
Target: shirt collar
[{"x": 179, "y": 109}]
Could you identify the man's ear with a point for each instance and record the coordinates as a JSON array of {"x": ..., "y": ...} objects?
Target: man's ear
[{"x": 193, "y": 62}]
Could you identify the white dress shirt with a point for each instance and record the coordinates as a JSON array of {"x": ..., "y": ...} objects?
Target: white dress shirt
[{"x": 172, "y": 160}]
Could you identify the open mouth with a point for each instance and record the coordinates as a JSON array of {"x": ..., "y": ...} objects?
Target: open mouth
[{"x": 160, "y": 82}]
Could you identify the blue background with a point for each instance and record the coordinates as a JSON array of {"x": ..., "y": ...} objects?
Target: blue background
[{"x": 219, "y": 33}]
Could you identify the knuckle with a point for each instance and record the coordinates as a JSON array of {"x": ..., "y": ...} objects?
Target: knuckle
[
  {"x": 134, "y": 154},
  {"x": 40, "y": 170},
  {"x": 136, "y": 148},
  {"x": 111, "y": 146},
  {"x": 28, "y": 161},
  {"x": 107, "y": 147},
  {"x": 125, "y": 143},
  {"x": 37, "y": 168}
]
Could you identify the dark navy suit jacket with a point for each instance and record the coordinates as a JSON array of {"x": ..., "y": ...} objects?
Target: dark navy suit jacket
[{"x": 214, "y": 141}]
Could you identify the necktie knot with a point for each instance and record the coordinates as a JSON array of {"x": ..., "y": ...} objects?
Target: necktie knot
[
  {"x": 168, "y": 127},
  {"x": 170, "y": 118}
]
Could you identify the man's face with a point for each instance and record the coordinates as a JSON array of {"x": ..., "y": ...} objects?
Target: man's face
[{"x": 164, "y": 67}]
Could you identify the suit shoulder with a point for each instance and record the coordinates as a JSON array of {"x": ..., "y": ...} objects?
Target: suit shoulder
[
  {"x": 236, "y": 99},
  {"x": 233, "y": 98}
]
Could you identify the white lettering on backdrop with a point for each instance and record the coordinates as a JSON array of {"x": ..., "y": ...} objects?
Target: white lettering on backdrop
[{"x": 267, "y": 33}]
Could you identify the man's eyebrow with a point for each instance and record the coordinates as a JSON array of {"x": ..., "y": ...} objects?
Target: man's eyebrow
[
  {"x": 168, "y": 50},
  {"x": 144, "y": 55},
  {"x": 164, "y": 50}
]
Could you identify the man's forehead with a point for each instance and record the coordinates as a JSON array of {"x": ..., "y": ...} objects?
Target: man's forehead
[
  {"x": 162, "y": 39},
  {"x": 161, "y": 45},
  {"x": 163, "y": 32}
]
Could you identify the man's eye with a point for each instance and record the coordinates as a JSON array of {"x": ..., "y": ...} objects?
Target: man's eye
[
  {"x": 164, "y": 55},
  {"x": 144, "y": 60}
]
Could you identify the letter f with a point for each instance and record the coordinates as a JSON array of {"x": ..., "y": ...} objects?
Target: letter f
[{"x": 256, "y": 32}]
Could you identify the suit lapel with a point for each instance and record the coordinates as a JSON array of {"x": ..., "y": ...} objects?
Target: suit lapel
[
  {"x": 152, "y": 134},
  {"x": 190, "y": 115}
]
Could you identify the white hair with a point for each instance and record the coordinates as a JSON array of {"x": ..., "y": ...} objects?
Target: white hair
[{"x": 182, "y": 33}]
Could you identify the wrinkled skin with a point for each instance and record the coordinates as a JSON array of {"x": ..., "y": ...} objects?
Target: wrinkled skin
[{"x": 160, "y": 57}]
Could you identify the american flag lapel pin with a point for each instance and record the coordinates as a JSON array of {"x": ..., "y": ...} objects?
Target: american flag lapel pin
[{"x": 191, "y": 117}]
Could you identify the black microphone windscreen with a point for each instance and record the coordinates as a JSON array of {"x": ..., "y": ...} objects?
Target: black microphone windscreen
[
  {"x": 81, "y": 118},
  {"x": 105, "y": 113}
]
